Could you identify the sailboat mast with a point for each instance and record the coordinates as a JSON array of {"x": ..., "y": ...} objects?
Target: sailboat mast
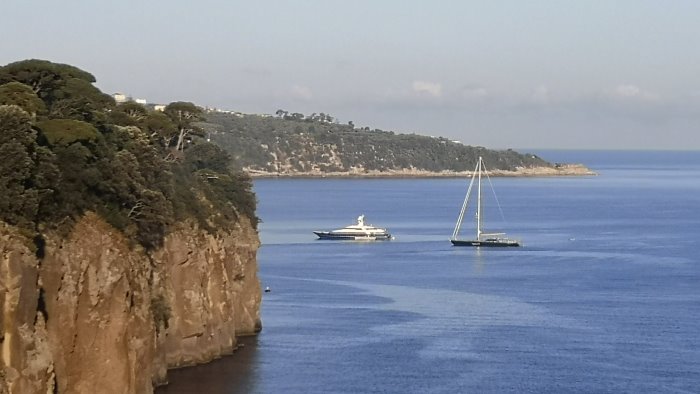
[
  {"x": 490, "y": 239},
  {"x": 455, "y": 233},
  {"x": 478, "y": 205}
]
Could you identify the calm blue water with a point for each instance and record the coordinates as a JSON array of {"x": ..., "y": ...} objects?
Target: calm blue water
[{"x": 603, "y": 297}]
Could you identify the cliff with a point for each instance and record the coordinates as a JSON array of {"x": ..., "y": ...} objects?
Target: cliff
[
  {"x": 126, "y": 247},
  {"x": 90, "y": 311}
]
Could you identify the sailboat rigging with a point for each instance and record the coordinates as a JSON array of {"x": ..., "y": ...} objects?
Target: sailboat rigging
[{"x": 482, "y": 238}]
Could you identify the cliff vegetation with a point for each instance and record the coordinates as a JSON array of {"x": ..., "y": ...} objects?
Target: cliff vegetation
[
  {"x": 68, "y": 148},
  {"x": 127, "y": 241}
]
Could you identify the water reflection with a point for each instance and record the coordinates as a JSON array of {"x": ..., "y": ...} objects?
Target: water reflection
[
  {"x": 478, "y": 261},
  {"x": 231, "y": 374}
]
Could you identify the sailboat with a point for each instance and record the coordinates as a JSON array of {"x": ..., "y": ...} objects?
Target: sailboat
[{"x": 482, "y": 238}]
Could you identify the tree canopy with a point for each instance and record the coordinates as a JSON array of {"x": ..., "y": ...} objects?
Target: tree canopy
[
  {"x": 21, "y": 95},
  {"x": 184, "y": 115},
  {"x": 27, "y": 171},
  {"x": 68, "y": 148},
  {"x": 67, "y": 131}
]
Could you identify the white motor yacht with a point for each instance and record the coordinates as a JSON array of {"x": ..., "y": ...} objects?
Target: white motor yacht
[{"x": 357, "y": 232}]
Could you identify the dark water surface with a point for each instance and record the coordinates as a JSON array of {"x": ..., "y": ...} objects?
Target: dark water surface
[{"x": 603, "y": 297}]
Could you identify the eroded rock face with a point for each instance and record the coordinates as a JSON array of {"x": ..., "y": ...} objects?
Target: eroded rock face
[
  {"x": 91, "y": 315},
  {"x": 27, "y": 365},
  {"x": 214, "y": 292}
]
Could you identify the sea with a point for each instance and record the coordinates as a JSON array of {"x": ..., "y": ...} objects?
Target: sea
[{"x": 603, "y": 296}]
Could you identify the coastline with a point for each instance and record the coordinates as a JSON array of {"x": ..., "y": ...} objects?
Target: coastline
[{"x": 558, "y": 170}]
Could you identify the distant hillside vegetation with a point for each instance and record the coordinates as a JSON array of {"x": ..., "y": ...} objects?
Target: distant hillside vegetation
[{"x": 289, "y": 144}]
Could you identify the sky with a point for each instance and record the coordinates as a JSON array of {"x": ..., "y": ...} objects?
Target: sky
[{"x": 587, "y": 74}]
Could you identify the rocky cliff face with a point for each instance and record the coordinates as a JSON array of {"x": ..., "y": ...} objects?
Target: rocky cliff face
[{"x": 90, "y": 312}]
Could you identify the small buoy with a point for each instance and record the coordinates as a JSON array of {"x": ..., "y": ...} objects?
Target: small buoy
[{"x": 267, "y": 289}]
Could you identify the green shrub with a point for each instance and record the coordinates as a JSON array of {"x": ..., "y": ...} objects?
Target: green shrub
[
  {"x": 160, "y": 309},
  {"x": 66, "y": 131}
]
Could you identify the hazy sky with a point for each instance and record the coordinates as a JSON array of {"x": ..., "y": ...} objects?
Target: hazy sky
[{"x": 523, "y": 74}]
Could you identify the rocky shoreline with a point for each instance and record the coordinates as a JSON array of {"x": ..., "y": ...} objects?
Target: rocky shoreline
[{"x": 557, "y": 170}]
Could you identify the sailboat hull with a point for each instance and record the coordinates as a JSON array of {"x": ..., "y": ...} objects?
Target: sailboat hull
[{"x": 490, "y": 244}]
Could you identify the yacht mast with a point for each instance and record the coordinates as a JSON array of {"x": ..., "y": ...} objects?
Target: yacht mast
[
  {"x": 490, "y": 239},
  {"x": 455, "y": 233},
  {"x": 478, "y": 205}
]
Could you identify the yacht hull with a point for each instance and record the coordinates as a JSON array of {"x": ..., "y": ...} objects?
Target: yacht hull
[
  {"x": 356, "y": 232},
  {"x": 489, "y": 244},
  {"x": 328, "y": 235}
]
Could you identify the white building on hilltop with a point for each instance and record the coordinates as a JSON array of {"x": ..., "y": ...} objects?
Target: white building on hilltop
[{"x": 120, "y": 98}]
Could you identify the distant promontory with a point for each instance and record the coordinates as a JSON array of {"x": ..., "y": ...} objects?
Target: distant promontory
[{"x": 297, "y": 145}]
